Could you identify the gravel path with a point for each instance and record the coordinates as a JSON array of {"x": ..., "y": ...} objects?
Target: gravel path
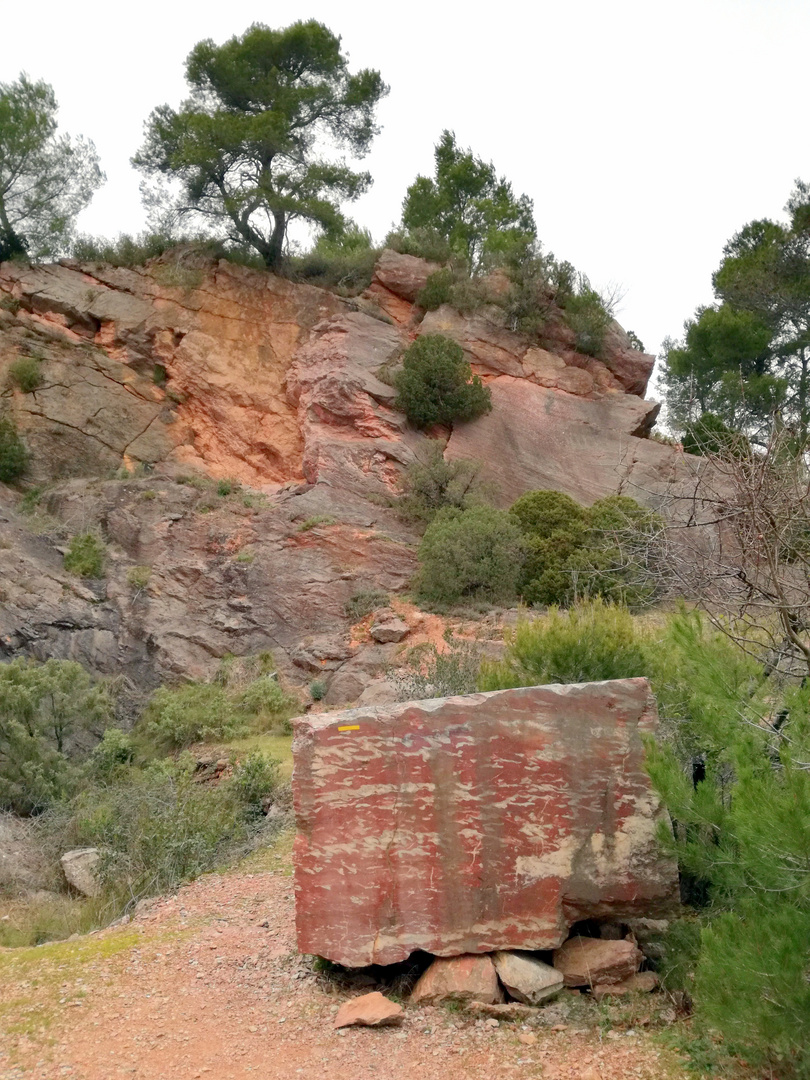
[{"x": 207, "y": 984}]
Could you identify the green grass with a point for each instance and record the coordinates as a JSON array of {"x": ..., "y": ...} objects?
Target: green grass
[
  {"x": 277, "y": 746},
  {"x": 318, "y": 519}
]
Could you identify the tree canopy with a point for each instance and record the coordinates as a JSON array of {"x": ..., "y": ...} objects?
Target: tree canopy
[
  {"x": 747, "y": 357},
  {"x": 45, "y": 178},
  {"x": 470, "y": 206},
  {"x": 244, "y": 146}
]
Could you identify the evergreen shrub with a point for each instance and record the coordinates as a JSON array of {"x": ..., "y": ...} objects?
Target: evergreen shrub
[
  {"x": 436, "y": 384},
  {"x": 470, "y": 556}
]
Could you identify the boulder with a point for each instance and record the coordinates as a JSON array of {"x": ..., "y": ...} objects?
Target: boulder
[
  {"x": 403, "y": 275},
  {"x": 586, "y": 961},
  {"x": 370, "y": 1010},
  {"x": 388, "y": 627},
  {"x": 80, "y": 869},
  {"x": 476, "y": 823},
  {"x": 380, "y": 692},
  {"x": 485, "y": 344},
  {"x": 458, "y": 978},
  {"x": 527, "y": 979},
  {"x": 644, "y": 982}
]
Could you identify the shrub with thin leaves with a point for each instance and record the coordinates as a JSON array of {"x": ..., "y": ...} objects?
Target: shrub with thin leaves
[
  {"x": 26, "y": 374},
  {"x": 433, "y": 482},
  {"x": 50, "y": 715},
  {"x": 732, "y": 771},
  {"x": 436, "y": 384},
  {"x": 470, "y": 556},
  {"x": 590, "y": 642},
  {"x": 432, "y": 672},
  {"x": 13, "y": 455}
]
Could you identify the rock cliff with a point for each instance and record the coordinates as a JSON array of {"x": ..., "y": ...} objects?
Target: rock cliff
[{"x": 189, "y": 369}]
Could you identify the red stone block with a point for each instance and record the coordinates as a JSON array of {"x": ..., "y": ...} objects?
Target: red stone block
[{"x": 476, "y": 823}]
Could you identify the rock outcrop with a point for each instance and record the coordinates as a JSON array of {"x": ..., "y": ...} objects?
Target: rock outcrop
[
  {"x": 191, "y": 369},
  {"x": 473, "y": 824}
]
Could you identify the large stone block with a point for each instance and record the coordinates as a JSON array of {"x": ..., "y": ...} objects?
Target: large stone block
[{"x": 471, "y": 824}]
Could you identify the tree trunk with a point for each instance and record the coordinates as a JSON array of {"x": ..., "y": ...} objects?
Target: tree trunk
[{"x": 273, "y": 255}]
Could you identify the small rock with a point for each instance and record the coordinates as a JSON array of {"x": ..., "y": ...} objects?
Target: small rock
[
  {"x": 80, "y": 867},
  {"x": 528, "y": 1038},
  {"x": 388, "y": 627},
  {"x": 644, "y": 982},
  {"x": 526, "y": 978},
  {"x": 458, "y": 978},
  {"x": 370, "y": 1010},
  {"x": 510, "y": 1010},
  {"x": 593, "y": 962}
]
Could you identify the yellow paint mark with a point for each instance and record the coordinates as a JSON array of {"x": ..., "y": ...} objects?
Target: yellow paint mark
[{"x": 350, "y": 727}]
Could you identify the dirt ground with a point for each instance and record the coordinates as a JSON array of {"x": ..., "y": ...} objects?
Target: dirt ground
[{"x": 207, "y": 985}]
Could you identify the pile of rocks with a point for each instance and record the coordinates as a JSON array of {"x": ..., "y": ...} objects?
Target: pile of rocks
[{"x": 509, "y": 984}]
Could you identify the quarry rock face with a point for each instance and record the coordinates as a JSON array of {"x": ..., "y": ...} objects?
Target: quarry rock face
[{"x": 472, "y": 824}]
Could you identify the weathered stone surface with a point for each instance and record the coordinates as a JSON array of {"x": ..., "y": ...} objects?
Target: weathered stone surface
[
  {"x": 369, "y": 1010},
  {"x": 477, "y": 823},
  {"x": 403, "y": 275},
  {"x": 527, "y": 979},
  {"x": 289, "y": 595},
  {"x": 388, "y": 627},
  {"x": 592, "y": 961},
  {"x": 80, "y": 868},
  {"x": 644, "y": 982},
  {"x": 538, "y": 438},
  {"x": 485, "y": 344},
  {"x": 458, "y": 978}
]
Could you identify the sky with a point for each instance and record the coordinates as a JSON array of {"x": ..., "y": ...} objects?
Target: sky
[{"x": 646, "y": 132}]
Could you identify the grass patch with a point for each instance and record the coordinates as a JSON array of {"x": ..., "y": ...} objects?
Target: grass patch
[
  {"x": 277, "y": 746},
  {"x": 25, "y": 373},
  {"x": 85, "y": 556},
  {"x": 318, "y": 519}
]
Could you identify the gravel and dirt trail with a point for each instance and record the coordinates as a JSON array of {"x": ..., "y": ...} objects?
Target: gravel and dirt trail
[{"x": 207, "y": 985}]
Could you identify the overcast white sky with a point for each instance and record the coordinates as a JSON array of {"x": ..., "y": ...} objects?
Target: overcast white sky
[{"x": 646, "y": 132}]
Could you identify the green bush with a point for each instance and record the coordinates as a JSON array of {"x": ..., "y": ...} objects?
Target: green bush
[
  {"x": 732, "y": 771},
  {"x": 49, "y": 716},
  {"x": 85, "y": 556},
  {"x": 254, "y": 780},
  {"x": 317, "y": 690},
  {"x": 422, "y": 242},
  {"x": 158, "y": 828},
  {"x": 193, "y": 713},
  {"x": 115, "y": 750},
  {"x": 138, "y": 577},
  {"x": 589, "y": 317},
  {"x": 555, "y": 528},
  {"x": 436, "y": 384},
  {"x": 591, "y": 642},
  {"x": 470, "y": 556},
  {"x": 711, "y": 435},
  {"x": 125, "y": 250},
  {"x": 432, "y": 482},
  {"x": 431, "y": 672},
  {"x": 13, "y": 455},
  {"x": 344, "y": 264},
  {"x": 26, "y": 373},
  {"x": 573, "y": 552},
  {"x": 437, "y": 290}
]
